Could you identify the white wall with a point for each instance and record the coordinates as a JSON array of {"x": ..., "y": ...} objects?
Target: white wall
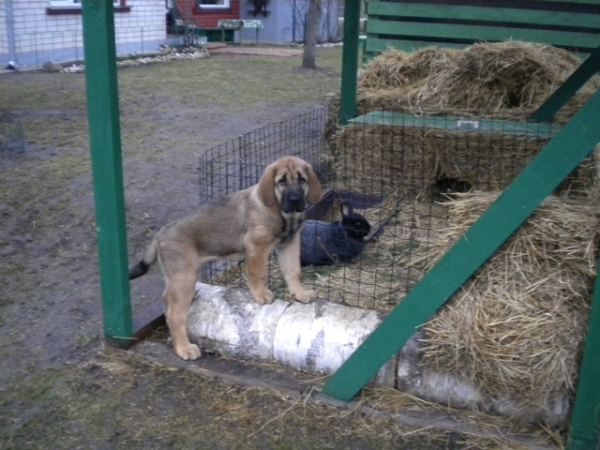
[
  {"x": 3, "y": 37},
  {"x": 42, "y": 37}
]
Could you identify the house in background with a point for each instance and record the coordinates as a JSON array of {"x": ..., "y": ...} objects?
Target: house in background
[
  {"x": 203, "y": 17},
  {"x": 283, "y": 21},
  {"x": 35, "y": 31}
]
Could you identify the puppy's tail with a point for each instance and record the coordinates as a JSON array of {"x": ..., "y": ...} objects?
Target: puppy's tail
[{"x": 143, "y": 266}]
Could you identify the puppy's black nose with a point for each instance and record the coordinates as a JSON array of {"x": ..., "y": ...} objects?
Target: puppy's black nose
[
  {"x": 293, "y": 200},
  {"x": 294, "y": 197}
]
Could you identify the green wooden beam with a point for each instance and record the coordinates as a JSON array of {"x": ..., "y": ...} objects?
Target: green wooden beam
[
  {"x": 481, "y": 32},
  {"x": 105, "y": 147},
  {"x": 350, "y": 61},
  {"x": 568, "y": 89},
  {"x": 585, "y": 420},
  {"x": 516, "y": 16},
  {"x": 558, "y": 158}
]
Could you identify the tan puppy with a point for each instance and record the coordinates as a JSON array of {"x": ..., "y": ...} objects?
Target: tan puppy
[{"x": 250, "y": 223}]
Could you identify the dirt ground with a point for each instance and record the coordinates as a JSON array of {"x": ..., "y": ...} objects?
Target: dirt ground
[{"x": 60, "y": 386}]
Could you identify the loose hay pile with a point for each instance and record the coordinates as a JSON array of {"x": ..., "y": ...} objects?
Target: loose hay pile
[
  {"x": 517, "y": 328},
  {"x": 504, "y": 80}
]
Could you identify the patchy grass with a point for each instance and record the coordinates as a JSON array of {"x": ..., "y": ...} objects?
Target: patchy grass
[{"x": 118, "y": 401}]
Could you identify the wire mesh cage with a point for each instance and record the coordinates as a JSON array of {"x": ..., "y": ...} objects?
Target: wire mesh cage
[
  {"x": 399, "y": 172},
  {"x": 12, "y": 138}
]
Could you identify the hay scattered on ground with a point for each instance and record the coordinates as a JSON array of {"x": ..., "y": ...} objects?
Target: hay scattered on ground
[
  {"x": 518, "y": 326},
  {"x": 505, "y": 432}
]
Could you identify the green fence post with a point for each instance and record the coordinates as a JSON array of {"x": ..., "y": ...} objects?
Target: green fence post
[
  {"x": 349, "y": 61},
  {"x": 557, "y": 159},
  {"x": 568, "y": 89},
  {"x": 105, "y": 146},
  {"x": 585, "y": 420}
]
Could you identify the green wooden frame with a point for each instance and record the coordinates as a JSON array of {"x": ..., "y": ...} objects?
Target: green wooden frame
[
  {"x": 409, "y": 25},
  {"x": 480, "y": 13},
  {"x": 350, "y": 62},
  {"x": 553, "y": 164},
  {"x": 567, "y": 149},
  {"x": 585, "y": 420},
  {"x": 107, "y": 172},
  {"x": 536, "y": 182}
]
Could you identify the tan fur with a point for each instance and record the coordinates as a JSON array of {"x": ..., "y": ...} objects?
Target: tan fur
[{"x": 250, "y": 223}]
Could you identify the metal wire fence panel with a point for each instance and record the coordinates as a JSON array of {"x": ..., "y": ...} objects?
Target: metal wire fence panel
[
  {"x": 240, "y": 163},
  {"x": 399, "y": 172},
  {"x": 36, "y": 47}
]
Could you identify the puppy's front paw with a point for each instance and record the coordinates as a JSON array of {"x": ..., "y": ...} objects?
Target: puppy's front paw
[
  {"x": 188, "y": 351},
  {"x": 263, "y": 297},
  {"x": 305, "y": 296}
]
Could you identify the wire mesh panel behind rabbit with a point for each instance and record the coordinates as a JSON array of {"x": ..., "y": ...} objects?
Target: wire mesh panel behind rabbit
[{"x": 325, "y": 243}]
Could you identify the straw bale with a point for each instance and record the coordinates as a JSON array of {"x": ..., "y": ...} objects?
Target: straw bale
[
  {"x": 517, "y": 328},
  {"x": 503, "y": 80},
  {"x": 374, "y": 160},
  {"x": 407, "y": 161}
]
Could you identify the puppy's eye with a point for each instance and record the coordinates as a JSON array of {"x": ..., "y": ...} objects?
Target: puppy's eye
[
  {"x": 301, "y": 179},
  {"x": 282, "y": 181}
]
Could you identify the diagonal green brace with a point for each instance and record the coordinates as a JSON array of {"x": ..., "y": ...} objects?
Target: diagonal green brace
[
  {"x": 565, "y": 91},
  {"x": 105, "y": 147},
  {"x": 350, "y": 61},
  {"x": 553, "y": 164},
  {"x": 585, "y": 420}
]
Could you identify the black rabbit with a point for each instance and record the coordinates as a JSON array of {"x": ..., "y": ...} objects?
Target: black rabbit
[{"x": 325, "y": 243}]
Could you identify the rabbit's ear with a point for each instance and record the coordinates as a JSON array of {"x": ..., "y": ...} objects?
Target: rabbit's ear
[
  {"x": 346, "y": 209},
  {"x": 315, "y": 192},
  {"x": 266, "y": 186}
]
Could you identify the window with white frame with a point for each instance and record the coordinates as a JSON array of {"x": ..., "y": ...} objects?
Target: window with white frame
[
  {"x": 75, "y": 3},
  {"x": 213, "y": 4}
]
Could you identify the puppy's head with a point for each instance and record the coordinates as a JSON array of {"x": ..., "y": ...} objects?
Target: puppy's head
[{"x": 289, "y": 182}]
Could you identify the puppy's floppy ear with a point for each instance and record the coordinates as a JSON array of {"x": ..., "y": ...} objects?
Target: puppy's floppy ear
[
  {"x": 266, "y": 186},
  {"x": 315, "y": 192}
]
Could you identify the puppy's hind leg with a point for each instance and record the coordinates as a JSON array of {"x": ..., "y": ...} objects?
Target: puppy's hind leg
[{"x": 177, "y": 299}]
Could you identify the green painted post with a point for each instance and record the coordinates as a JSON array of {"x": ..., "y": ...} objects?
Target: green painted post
[
  {"x": 558, "y": 158},
  {"x": 568, "y": 89},
  {"x": 585, "y": 420},
  {"x": 105, "y": 146},
  {"x": 349, "y": 61}
]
